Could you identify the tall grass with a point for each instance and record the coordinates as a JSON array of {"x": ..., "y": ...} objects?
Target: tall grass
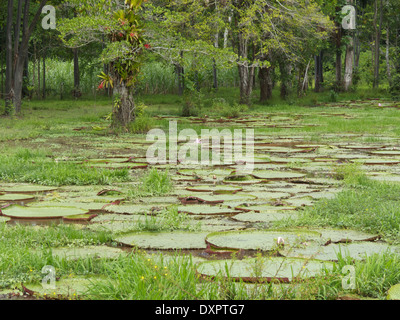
[{"x": 33, "y": 167}]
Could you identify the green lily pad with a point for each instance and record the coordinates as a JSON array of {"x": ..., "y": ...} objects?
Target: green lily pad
[
  {"x": 207, "y": 210},
  {"x": 265, "y": 240},
  {"x": 265, "y": 217},
  {"x": 264, "y": 269},
  {"x": 87, "y": 252},
  {"x": 15, "y": 197},
  {"x": 69, "y": 287},
  {"x": 394, "y": 293},
  {"x": 165, "y": 240},
  {"x": 214, "y": 188},
  {"x": 27, "y": 189},
  {"x": 355, "y": 250},
  {"x": 277, "y": 175},
  {"x": 21, "y": 212}
]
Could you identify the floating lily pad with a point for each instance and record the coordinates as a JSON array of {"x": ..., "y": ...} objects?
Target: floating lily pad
[
  {"x": 27, "y": 189},
  {"x": 264, "y": 269},
  {"x": 21, "y": 212},
  {"x": 165, "y": 240},
  {"x": 277, "y": 175},
  {"x": 265, "y": 217},
  {"x": 71, "y": 287},
  {"x": 259, "y": 239},
  {"x": 355, "y": 250},
  {"x": 394, "y": 293},
  {"x": 207, "y": 210},
  {"x": 15, "y": 197},
  {"x": 87, "y": 252},
  {"x": 215, "y": 188}
]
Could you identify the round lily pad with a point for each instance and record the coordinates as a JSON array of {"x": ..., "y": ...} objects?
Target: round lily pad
[
  {"x": 259, "y": 239},
  {"x": 15, "y": 197},
  {"x": 27, "y": 189},
  {"x": 165, "y": 240},
  {"x": 264, "y": 269},
  {"x": 207, "y": 210},
  {"x": 87, "y": 252},
  {"x": 394, "y": 293},
  {"x": 21, "y": 212},
  {"x": 214, "y": 188},
  {"x": 277, "y": 175}
]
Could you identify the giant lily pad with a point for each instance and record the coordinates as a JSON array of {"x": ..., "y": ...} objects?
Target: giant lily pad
[
  {"x": 277, "y": 175},
  {"x": 264, "y": 269},
  {"x": 165, "y": 240},
  {"x": 15, "y": 197},
  {"x": 394, "y": 293},
  {"x": 26, "y": 189},
  {"x": 259, "y": 239},
  {"x": 87, "y": 252},
  {"x": 21, "y": 212},
  {"x": 207, "y": 210}
]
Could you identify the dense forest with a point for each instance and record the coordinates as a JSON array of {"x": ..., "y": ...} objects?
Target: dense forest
[{"x": 184, "y": 45}]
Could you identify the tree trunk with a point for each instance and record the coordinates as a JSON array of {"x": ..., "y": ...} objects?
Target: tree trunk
[
  {"x": 9, "y": 61},
  {"x": 318, "y": 72},
  {"x": 77, "y": 91},
  {"x": 387, "y": 57},
  {"x": 23, "y": 52},
  {"x": 124, "y": 106},
  {"x": 246, "y": 72},
  {"x": 286, "y": 85},
  {"x": 44, "y": 76},
  {"x": 349, "y": 58},
  {"x": 377, "y": 41},
  {"x": 266, "y": 83}
]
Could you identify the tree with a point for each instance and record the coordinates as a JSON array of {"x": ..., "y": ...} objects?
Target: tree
[
  {"x": 15, "y": 67},
  {"x": 123, "y": 27}
]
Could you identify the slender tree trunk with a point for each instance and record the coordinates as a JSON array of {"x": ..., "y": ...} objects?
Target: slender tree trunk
[
  {"x": 349, "y": 59},
  {"x": 349, "y": 63},
  {"x": 318, "y": 72},
  {"x": 285, "y": 68},
  {"x": 378, "y": 30},
  {"x": 246, "y": 72},
  {"x": 77, "y": 91},
  {"x": 44, "y": 76},
  {"x": 23, "y": 51},
  {"x": 38, "y": 75},
  {"x": 387, "y": 56},
  {"x": 9, "y": 60}
]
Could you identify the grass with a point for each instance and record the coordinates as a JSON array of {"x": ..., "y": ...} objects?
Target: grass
[
  {"x": 365, "y": 204},
  {"x": 153, "y": 183},
  {"x": 36, "y": 167},
  {"x": 24, "y": 251},
  {"x": 169, "y": 219}
]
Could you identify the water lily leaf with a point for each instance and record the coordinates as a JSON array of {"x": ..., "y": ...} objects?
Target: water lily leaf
[
  {"x": 15, "y": 197},
  {"x": 92, "y": 252},
  {"x": 21, "y": 212},
  {"x": 394, "y": 293},
  {"x": 27, "y": 189},
  {"x": 265, "y": 240},
  {"x": 165, "y": 240},
  {"x": 277, "y": 175},
  {"x": 207, "y": 210},
  {"x": 265, "y": 269}
]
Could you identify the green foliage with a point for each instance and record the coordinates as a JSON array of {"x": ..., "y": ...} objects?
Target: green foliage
[
  {"x": 153, "y": 183},
  {"x": 27, "y": 166}
]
